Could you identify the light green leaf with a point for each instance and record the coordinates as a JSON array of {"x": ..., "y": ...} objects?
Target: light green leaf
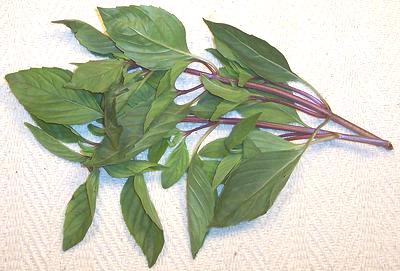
[
  {"x": 41, "y": 91},
  {"x": 80, "y": 211},
  {"x": 131, "y": 168},
  {"x": 97, "y": 75},
  {"x": 214, "y": 149},
  {"x": 227, "y": 164},
  {"x": 150, "y": 36},
  {"x": 167, "y": 82},
  {"x": 141, "y": 191},
  {"x": 144, "y": 230},
  {"x": 253, "y": 186},
  {"x": 91, "y": 38},
  {"x": 61, "y": 132},
  {"x": 240, "y": 131},
  {"x": 176, "y": 165},
  {"x": 95, "y": 130},
  {"x": 267, "y": 142},
  {"x": 227, "y": 92},
  {"x": 158, "y": 106},
  {"x": 223, "y": 108},
  {"x": 200, "y": 203},
  {"x": 271, "y": 112},
  {"x": 53, "y": 145},
  {"x": 251, "y": 52}
]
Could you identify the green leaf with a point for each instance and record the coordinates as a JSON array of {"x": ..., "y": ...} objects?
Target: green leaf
[
  {"x": 61, "y": 132},
  {"x": 91, "y": 38},
  {"x": 95, "y": 130},
  {"x": 200, "y": 203},
  {"x": 53, "y": 145},
  {"x": 150, "y": 36},
  {"x": 253, "y": 186},
  {"x": 158, "y": 106},
  {"x": 227, "y": 164},
  {"x": 141, "y": 191},
  {"x": 131, "y": 168},
  {"x": 167, "y": 82},
  {"x": 97, "y": 75},
  {"x": 80, "y": 211},
  {"x": 223, "y": 108},
  {"x": 251, "y": 52},
  {"x": 176, "y": 165},
  {"x": 240, "y": 131},
  {"x": 227, "y": 92},
  {"x": 41, "y": 91},
  {"x": 146, "y": 232},
  {"x": 267, "y": 142},
  {"x": 214, "y": 149},
  {"x": 206, "y": 106},
  {"x": 271, "y": 112},
  {"x": 157, "y": 150}
]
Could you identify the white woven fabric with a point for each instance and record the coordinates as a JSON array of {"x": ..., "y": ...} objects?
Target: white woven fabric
[{"x": 340, "y": 209}]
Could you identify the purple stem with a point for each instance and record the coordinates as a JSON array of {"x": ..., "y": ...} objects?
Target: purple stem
[{"x": 297, "y": 129}]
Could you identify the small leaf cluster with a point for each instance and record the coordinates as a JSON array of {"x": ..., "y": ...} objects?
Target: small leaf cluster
[{"x": 127, "y": 99}]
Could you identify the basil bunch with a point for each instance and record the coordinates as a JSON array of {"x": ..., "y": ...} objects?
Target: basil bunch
[{"x": 128, "y": 99}]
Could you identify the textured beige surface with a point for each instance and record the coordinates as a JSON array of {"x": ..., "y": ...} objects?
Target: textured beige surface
[{"x": 341, "y": 208}]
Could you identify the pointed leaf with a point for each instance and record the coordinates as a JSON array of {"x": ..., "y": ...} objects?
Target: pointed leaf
[
  {"x": 150, "y": 36},
  {"x": 176, "y": 165},
  {"x": 227, "y": 92},
  {"x": 214, "y": 149},
  {"x": 157, "y": 150},
  {"x": 200, "y": 203},
  {"x": 131, "y": 168},
  {"x": 251, "y": 52},
  {"x": 144, "y": 230},
  {"x": 267, "y": 142},
  {"x": 61, "y": 132},
  {"x": 223, "y": 108},
  {"x": 97, "y": 75},
  {"x": 253, "y": 186},
  {"x": 90, "y": 37},
  {"x": 53, "y": 145},
  {"x": 95, "y": 130},
  {"x": 80, "y": 211},
  {"x": 224, "y": 168},
  {"x": 41, "y": 91},
  {"x": 141, "y": 191},
  {"x": 240, "y": 131}
]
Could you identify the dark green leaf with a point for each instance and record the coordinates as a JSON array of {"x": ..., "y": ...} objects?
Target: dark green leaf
[
  {"x": 41, "y": 91},
  {"x": 240, "y": 131},
  {"x": 131, "y": 168},
  {"x": 61, "y": 132},
  {"x": 148, "y": 35},
  {"x": 146, "y": 232},
  {"x": 157, "y": 150},
  {"x": 91, "y": 38},
  {"x": 226, "y": 165},
  {"x": 95, "y": 130},
  {"x": 206, "y": 106},
  {"x": 253, "y": 186},
  {"x": 80, "y": 211},
  {"x": 227, "y": 92},
  {"x": 251, "y": 52},
  {"x": 97, "y": 75},
  {"x": 141, "y": 191},
  {"x": 53, "y": 145},
  {"x": 200, "y": 203},
  {"x": 158, "y": 106},
  {"x": 176, "y": 165},
  {"x": 167, "y": 82}
]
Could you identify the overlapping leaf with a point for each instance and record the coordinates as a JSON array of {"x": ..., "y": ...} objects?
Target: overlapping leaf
[
  {"x": 42, "y": 93},
  {"x": 141, "y": 218},
  {"x": 148, "y": 35}
]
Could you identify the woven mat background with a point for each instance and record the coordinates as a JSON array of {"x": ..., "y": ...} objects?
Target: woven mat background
[{"x": 341, "y": 207}]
